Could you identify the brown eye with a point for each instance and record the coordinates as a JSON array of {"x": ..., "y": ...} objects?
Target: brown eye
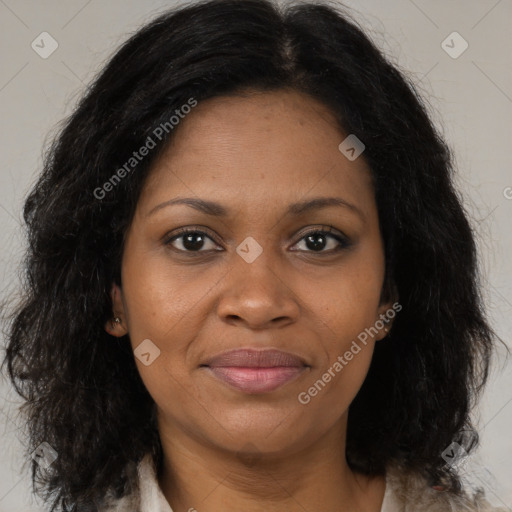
[
  {"x": 317, "y": 240},
  {"x": 191, "y": 240}
]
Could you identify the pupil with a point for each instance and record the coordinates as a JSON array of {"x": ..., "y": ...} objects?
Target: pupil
[
  {"x": 189, "y": 244},
  {"x": 315, "y": 245}
]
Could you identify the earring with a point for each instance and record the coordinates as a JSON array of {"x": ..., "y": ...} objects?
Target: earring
[{"x": 116, "y": 322}]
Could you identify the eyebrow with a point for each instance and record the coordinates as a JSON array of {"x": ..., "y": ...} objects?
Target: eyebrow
[{"x": 217, "y": 210}]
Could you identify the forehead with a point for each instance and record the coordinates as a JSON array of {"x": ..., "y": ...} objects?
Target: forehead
[{"x": 259, "y": 146}]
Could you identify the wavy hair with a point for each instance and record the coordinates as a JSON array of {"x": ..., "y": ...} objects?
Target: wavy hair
[{"x": 81, "y": 388}]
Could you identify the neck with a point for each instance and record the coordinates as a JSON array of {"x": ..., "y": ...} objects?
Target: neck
[{"x": 199, "y": 476}]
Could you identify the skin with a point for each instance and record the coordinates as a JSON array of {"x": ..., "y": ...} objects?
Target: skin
[{"x": 224, "y": 449}]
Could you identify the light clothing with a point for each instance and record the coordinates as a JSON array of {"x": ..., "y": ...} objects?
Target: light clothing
[{"x": 404, "y": 493}]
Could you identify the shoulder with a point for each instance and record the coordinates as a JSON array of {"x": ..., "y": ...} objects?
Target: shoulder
[
  {"x": 146, "y": 495},
  {"x": 128, "y": 503},
  {"x": 410, "y": 492}
]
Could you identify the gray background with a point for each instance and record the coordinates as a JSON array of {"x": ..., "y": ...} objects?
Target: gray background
[{"x": 471, "y": 102}]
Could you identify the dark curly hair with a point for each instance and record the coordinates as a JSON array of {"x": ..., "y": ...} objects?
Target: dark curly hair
[{"x": 83, "y": 394}]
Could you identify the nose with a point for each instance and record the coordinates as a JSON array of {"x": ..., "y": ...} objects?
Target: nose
[{"x": 258, "y": 294}]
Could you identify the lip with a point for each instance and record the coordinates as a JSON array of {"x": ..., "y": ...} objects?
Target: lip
[{"x": 256, "y": 371}]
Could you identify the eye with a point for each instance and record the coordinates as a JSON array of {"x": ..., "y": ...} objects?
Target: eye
[
  {"x": 192, "y": 240},
  {"x": 318, "y": 239},
  {"x": 196, "y": 241}
]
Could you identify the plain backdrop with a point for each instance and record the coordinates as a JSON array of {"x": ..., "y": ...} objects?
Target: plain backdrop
[{"x": 471, "y": 102}]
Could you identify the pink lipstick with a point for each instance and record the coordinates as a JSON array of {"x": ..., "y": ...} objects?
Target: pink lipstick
[{"x": 256, "y": 371}]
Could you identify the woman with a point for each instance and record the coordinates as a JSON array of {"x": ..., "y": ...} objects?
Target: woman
[{"x": 250, "y": 284}]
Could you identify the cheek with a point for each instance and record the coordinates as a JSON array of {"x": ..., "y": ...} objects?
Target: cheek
[
  {"x": 344, "y": 311},
  {"x": 165, "y": 305},
  {"x": 163, "y": 300},
  {"x": 334, "y": 387},
  {"x": 347, "y": 350},
  {"x": 347, "y": 302}
]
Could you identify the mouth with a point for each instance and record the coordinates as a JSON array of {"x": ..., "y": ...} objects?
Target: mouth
[{"x": 256, "y": 371}]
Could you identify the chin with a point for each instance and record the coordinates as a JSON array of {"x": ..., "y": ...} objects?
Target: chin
[{"x": 259, "y": 435}]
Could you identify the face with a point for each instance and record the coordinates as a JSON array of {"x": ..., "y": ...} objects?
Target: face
[{"x": 258, "y": 270}]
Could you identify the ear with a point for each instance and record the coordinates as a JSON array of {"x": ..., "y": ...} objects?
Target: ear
[
  {"x": 116, "y": 326},
  {"x": 387, "y": 310},
  {"x": 384, "y": 320}
]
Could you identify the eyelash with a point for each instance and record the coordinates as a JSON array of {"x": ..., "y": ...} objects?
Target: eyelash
[{"x": 325, "y": 230}]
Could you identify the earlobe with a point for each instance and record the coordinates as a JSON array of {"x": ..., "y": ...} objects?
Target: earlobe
[
  {"x": 383, "y": 333},
  {"x": 116, "y": 325},
  {"x": 388, "y": 309},
  {"x": 385, "y": 320}
]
